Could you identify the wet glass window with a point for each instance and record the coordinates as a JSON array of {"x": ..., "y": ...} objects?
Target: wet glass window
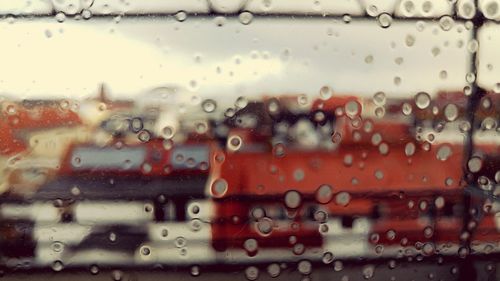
[{"x": 250, "y": 140}]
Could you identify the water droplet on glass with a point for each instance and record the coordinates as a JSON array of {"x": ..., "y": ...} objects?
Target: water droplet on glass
[
  {"x": 48, "y": 33},
  {"x": 427, "y": 6},
  {"x": 245, "y": 17},
  {"x": 369, "y": 59},
  {"x": 410, "y": 149},
  {"x": 112, "y": 237},
  {"x": 410, "y": 40},
  {"x": 274, "y": 270},
  {"x": 342, "y": 198},
  {"x": 446, "y": 23},
  {"x": 320, "y": 216},
  {"x": 219, "y": 188},
  {"x": 470, "y": 77},
  {"x": 144, "y": 136},
  {"x": 338, "y": 265},
  {"x": 94, "y": 269},
  {"x": 57, "y": 265},
  {"x": 463, "y": 252},
  {"x": 474, "y": 164},
  {"x": 391, "y": 234},
  {"x": 209, "y": 105},
  {"x": 435, "y": 51},
  {"x": 305, "y": 267},
  {"x": 168, "y": 132},
  {"x": 422, "y": 100},
  {"x": 485, "y": 183},
  {"x": 466, "y": 9},
  {"x": 252, "y": 273},
  {"x": 145, "y": 250},
  {"x": 325, "y": 92},
  {"x": 298, "y": 175},
  {"x": 116, "y": 275},
  {"x": 336, "y": 137},
  {"x": 397, "y": 80},
  {"x": 489, "y": 123},
  {"x": 292, "y": 199},
  {"x": 327, "y": 258},
  {"x": 348, "y": 159},
  {"x": 451, "y": 112},
  {"x": 241, "y": 102},
  {"x": 234, "y": 143},
  {"x": 60, "y": 17},
  {"x": 384, "y": 20},
  {"x": 368, "y": 271},
  {"x": 57, "y": 247},
  {"x": 265, "y": 226},
  {"x": 346, "y": 18},
  {"x": 136, "y": 124},
  {"x": 383, "y": 148},
  {"x": 279, "y": 150},
  {"x": 444, "y": 152},
  {"x": 302, "y": 100},
  {"x": 379, "y": 112},
  {"x": 464, "y": 126},
  {"x": 251, "y": 245},
  {"x": 195, "y": 270},
  {"x": 406, "y": 109},
  {"x": 86, "y": 14},
  {"x": 472, "y": 46},
  {"x": 352, "y": 108},
  {"x": 428, "y": 249},
  {"x": 379, "y": 98},
  {"x": 443, "y": 74},
  {"x": 324, "y": 194},
  {"x": 379, "y": 249},
  {"x": 220, "y": 21},
  {"x": 181, "y": 16}
]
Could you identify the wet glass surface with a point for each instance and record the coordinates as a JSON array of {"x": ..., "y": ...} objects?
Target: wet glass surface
[{"x": 249, "y": 140}]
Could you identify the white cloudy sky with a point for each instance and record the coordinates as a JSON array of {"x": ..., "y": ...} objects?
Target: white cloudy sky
[{"x": 45, "y": 58}]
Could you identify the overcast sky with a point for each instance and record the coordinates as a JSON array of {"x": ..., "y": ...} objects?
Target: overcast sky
[{"x": 223, "y": 58}]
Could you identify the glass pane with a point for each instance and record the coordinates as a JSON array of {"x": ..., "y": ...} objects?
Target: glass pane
[{"x": 249, "y": 140}]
